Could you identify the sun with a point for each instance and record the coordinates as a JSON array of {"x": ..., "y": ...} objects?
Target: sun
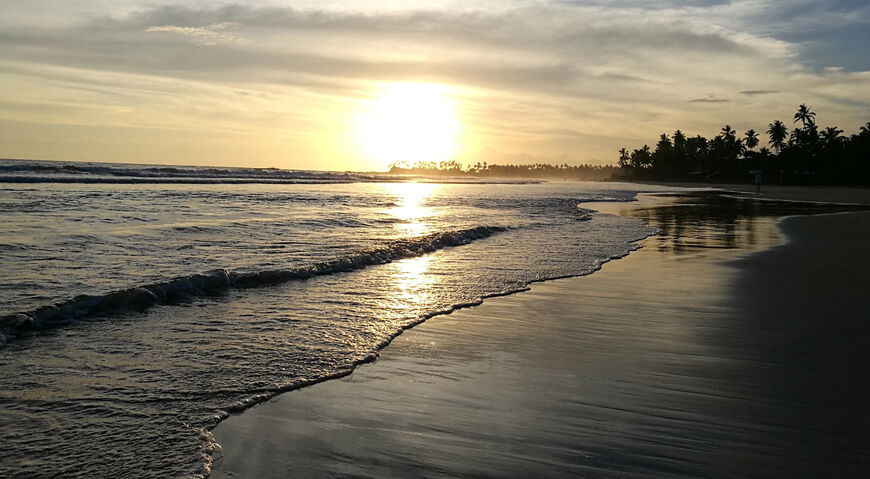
[{"x": 410, "y": 123}]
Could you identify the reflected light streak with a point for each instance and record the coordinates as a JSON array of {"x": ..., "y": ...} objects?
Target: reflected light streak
[
  {"x": 412, "y": 280},
  {"x": 409, "y": 208}
]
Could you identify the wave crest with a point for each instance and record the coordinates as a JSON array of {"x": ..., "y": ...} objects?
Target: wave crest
[{"x": 216, "y": 282}]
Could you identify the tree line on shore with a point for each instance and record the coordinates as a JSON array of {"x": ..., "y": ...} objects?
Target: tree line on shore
[
  {"x": 807, "y": 154},
  {"x": 531, "y": 171}
]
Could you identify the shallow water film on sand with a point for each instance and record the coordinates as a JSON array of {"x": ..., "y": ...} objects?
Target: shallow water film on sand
[{"x": 136, "y": 315}]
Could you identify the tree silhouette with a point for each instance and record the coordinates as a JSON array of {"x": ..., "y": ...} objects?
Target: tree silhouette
[
  {"x": 624, "y": 158},
  {"x": 751, "y": 139},
  {"x": 805, "y": 138},
  {"x": 805, "y": 115},
  {"x": 831, "y": 135},
  {"x": 777, "y": 132},
  {"x": 641, "y": 157},
  {"x": 807, "y": 155}
]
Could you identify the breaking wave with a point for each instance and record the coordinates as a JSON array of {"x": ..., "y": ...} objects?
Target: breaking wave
[{"x": 219, "y": 281}]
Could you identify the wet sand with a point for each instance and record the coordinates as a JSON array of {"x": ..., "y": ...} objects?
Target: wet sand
[
  {"x": 831, "y": 194},
  {"x": 717, "y": 350}
]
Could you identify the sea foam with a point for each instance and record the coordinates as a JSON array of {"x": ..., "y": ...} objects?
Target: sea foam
[{"x": 216, "y": 282}]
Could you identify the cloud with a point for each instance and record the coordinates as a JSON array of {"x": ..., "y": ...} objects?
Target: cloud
[
  {"x": 758, "y": 92},
  {"x": 210, "y": 35},
  {"x": 610, "y": 73},
  {"x": 542, "y": 49},
  {"x": 709, "y": 100}
]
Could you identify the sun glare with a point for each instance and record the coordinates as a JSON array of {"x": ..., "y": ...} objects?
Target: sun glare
[
  {"x": 410, "y": 209},
  {"x": 409, "y": 122}
]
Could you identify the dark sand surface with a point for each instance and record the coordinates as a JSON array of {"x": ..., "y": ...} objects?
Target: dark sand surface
[
  {"x": 701, "y": 355},
  {"x": 830, "y": 194}
]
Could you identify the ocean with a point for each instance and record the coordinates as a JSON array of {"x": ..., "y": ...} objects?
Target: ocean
[{"x": 139, "y": 305}]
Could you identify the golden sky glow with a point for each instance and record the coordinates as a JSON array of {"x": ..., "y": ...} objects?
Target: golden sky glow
[
  {"x": 409, "y": 122},
  {"x": 348, "y": 85}
]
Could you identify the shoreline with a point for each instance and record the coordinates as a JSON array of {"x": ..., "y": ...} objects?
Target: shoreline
[
  {"x": 210, "y": 445},
  {"x": 844, "y": 195},
  {"x": 234, "y": 440}
]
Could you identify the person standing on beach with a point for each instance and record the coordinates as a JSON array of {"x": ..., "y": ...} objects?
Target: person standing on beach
[{"x": 757, "y": 182}]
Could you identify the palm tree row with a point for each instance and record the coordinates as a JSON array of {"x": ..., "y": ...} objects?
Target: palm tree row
[
  {"x": 805, "y": 154},
  {"x": 534, "y": 170}
]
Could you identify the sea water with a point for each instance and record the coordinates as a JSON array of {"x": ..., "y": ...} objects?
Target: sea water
[{"x": 139, "y": 305}]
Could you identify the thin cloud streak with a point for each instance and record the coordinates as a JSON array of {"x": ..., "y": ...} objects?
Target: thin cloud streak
[
  {"x": 210, "y": 35},
  {"x": 758, "y": 92}
]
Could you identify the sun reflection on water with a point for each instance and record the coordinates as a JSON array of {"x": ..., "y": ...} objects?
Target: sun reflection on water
[
  {"x": 412, "y": 279},
  {"x": 409, "y": 207}
]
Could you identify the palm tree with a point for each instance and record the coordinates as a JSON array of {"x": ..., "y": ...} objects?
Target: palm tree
[
  {"x": 865, "y": 130},
  {"x": 641, "y": 157},
  {"x": 624, "y": 158},
  {"x": 795, "y": 138},
  {"x": 831, "y": 135},
  {"x": 805, "y": 115},
  {"x": 751, "y": 139},
  {"x": 777, "y": 132}
]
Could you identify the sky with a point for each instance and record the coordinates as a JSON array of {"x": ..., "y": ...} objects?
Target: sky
[{"x": 290, "y": 84}]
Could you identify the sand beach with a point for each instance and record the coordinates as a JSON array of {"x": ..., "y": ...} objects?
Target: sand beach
[{"x": 733, "y": 344}]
